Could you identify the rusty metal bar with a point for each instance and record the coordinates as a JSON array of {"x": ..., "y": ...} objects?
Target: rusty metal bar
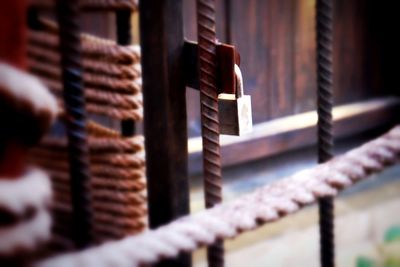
[
  {"x": 209, "y": 116},
  {"x": 68, "y": 19},
  {"x": 124, "y": 37},
  {"x": 325, "y": 126},
  {"x": 228, "y": 18},
  {"x": 165, "y": 122}
]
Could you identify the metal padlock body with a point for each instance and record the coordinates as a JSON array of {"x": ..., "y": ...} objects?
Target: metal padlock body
[{"x": 235, "y": 116}]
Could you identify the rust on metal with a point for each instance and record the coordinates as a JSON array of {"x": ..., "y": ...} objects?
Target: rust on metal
[
  {"x": 226, "y": 58},
  {"x": 209, "y": 116},
  {"x": 124, "y": 37},
  {"x": 78, "y": 152}
]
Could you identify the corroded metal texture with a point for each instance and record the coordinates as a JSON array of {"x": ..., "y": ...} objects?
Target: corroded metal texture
[
  {"x": 325, "y": 137},
  {"x": 67, "y": 13},
  {"x": 209, "y": 116},
  {"x": 327, "y": 238}
]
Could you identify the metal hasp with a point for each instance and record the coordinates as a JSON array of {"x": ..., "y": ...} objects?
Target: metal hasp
[
  {"x": 165, "y": 126},
  {"x": 226, "y": 58},
  {"x": 209, "y": 117},
  {"x": 78, "y": 153},
  {"x": 235, "y": 116},
  {"x": 325, "y": 136}
]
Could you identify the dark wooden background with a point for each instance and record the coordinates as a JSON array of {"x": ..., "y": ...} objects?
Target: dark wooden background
[{"x": 276, "y": 40}]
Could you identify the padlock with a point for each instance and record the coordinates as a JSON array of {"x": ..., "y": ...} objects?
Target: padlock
[{"x": 235, "y": 117}]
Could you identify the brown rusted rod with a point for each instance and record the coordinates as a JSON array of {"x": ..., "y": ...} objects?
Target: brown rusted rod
[
  {"x": 325, "y": 136},
  {"x": 228, "y": 17},
  {"x": 209, "y": 116},
  {"x": 67, "y": 13},
  {"x": 124, "y": 37}
]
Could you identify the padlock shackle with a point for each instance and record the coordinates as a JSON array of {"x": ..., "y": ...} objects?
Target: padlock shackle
[{"x": 239, "y": 82}]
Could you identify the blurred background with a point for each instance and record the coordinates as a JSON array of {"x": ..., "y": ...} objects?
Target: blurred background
[{"x": 277, "y": 42}]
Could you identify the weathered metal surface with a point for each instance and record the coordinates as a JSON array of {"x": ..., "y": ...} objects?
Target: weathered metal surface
[
  {"x": 325, "y": 129},
  {"x": 67, "y": 14},
  {"x": 165, "y": 129},
  {"x": 209, "y": 116}
]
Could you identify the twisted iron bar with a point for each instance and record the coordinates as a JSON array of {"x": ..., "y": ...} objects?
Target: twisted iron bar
[
  {"x": 67, "y": 13},
  {"x": 325, "y": 138},
  {"x": 209, "y": 117}
]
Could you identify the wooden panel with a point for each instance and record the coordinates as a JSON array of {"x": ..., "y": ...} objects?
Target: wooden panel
[
  {"x": 357, "y": 55},
  {"x": 250, "y": 36},
  {"x": 280, "y": 40},
  {"x": 276, "y": 40},
  {"x": 304, "y": 56},
  {"x": 348, "y": 51}
]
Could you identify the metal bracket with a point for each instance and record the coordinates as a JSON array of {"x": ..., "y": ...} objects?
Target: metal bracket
[{"x": 227, "y": 57}]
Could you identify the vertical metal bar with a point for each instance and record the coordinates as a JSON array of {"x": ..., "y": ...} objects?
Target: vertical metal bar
[
  {"x": 70, "y": 48},
  {"x": 124, "y": 37},
  {"x": 209, "y": 116},
  {"x": 228, "y": 19},
  {"x": 13, "y": 33},
  {"x": 165, "y": 128},
  {"x": 325, "y": 136},
  {"x": 33, "y": 18}
]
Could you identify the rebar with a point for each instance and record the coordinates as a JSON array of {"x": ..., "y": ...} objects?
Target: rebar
[
  {"x": 228, "y": 18},
  {"x": 68, "y": 18},
  {"x": 209, "y": 116},
  {"x": 325, "y": 127},
  {"x": 124, "y": 37}
]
